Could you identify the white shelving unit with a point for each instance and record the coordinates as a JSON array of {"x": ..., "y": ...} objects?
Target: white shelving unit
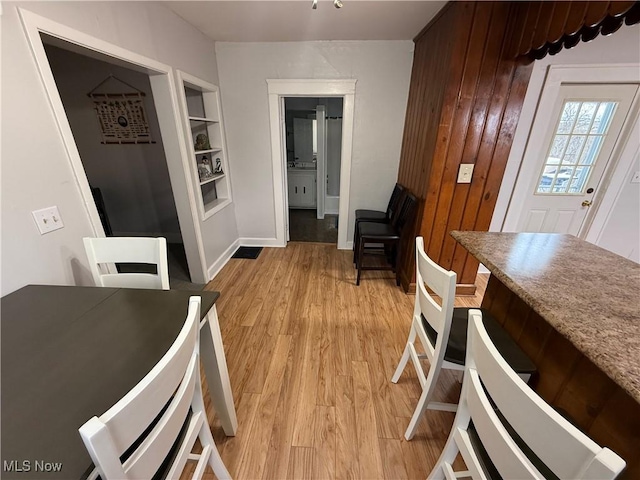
[{"x": 202, "y": 113}]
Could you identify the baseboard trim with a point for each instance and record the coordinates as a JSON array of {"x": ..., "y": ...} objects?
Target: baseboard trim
[
  {"x": 466, "y": 289},
  {"x": 260, "y": 242},
  {"x": 222, "y": 260},
  {"x": 348, "y": 245}
]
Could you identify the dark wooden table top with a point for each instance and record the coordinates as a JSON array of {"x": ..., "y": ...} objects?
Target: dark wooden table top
[{"x": 69, "y": 353}]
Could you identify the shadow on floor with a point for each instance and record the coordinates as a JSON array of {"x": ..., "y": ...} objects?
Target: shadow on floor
[{"x": 179, "y": 278}]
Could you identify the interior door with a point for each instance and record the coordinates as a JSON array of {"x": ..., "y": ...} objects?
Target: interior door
[{"x": 581, "y": 133}]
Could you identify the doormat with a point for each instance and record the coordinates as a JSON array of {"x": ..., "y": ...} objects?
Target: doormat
[{"x": 247, "y": 252}]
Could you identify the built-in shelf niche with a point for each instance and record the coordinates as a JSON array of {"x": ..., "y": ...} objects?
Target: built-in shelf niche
[{"x": 203, "y": 115}]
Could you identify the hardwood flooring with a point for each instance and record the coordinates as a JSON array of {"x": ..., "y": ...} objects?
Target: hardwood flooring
[{"x": 310, "y": 358}]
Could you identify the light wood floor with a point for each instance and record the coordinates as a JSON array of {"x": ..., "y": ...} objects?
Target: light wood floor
[{"x": 310, "y": 357}]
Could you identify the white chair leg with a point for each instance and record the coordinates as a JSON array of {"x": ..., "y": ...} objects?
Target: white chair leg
[
  {"x": 417, "y": 414},
  {"x": 423, "y": 404},
  {"x": 215, "y": 460},
  {"x": 405, "y": 357},
  {"x": 205, "y": 436},
  {"x": 403, "y": 363},
  {"x": 448, "y": 455}
]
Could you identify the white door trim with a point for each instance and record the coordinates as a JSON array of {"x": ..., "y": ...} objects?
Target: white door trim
[
  {"x": 277, "y": 89},
  {"x": 161, "y": 79},
  {"x": 518, "y": 172}
]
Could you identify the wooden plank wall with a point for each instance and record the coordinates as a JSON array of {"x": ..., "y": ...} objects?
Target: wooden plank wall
[{"x": 464, "y": 103}]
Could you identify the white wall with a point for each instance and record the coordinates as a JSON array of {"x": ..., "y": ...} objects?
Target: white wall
[
  {"x": 382, "y": 70},
  {"x": 623, "y": 47},
  {"x": 36, "y": 172},
  {"x": 621, "y": 233}
]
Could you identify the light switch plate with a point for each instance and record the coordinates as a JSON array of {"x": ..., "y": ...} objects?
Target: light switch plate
[
  {"x": 47, "y": 219},
  {"x": 465, "y": 173}
]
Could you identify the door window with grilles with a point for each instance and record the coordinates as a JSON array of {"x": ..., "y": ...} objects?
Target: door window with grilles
[{"x": 582, "y": 128}]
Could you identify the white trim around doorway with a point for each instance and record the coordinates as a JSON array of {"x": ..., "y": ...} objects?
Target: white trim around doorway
[
  {"x": 163, "y": 87},
  {"x": 277, "y": 89}
]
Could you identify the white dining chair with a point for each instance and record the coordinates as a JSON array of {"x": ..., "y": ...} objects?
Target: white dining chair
[
  {"x": 156, "y": 409},
  {"x": 502, "y": 426},
  {"x": 104, "y": 252},
  {"x": 442, "y": 332}
]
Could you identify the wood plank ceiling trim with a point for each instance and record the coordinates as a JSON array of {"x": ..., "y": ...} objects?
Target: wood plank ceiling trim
[{"x": 546, "y": 27}]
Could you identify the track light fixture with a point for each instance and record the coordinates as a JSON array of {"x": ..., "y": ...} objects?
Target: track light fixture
[{"x": 336, "y": 3}]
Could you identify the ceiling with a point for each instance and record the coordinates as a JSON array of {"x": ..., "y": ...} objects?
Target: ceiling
[{"x": 295, "y": 20}]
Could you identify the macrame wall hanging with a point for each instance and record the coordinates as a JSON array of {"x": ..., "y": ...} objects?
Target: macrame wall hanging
[{"x": 122, "y": 116}]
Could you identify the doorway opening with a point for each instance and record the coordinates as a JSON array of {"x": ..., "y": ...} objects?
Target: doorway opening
[
  {"x": 313, "y": 129},
  {"x": 128, "y": 177},
  {"x": 278, "y": 90}
]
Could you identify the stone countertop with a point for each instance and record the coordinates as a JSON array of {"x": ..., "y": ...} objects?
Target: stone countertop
[{"x": 588, "y": 294}]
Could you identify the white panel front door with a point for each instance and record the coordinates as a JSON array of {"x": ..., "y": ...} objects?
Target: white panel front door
[{"x": 580, "y": 134}]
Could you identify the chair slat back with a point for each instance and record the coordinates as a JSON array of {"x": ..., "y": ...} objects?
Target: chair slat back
[
  {"x": 170, "y": 385},
  {"x": 406, "y": 211},
  {"x": 564, "y": 449},
  {"x": 394, "y": 200},
  {"x": 442, "y": 283},
  {"x": 111, "y": 250},
  {"x": 505, "y": 454}
]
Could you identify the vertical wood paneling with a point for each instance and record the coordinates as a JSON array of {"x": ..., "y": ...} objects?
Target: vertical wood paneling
[
  {"x": 460, "y": 97},
  {"x": 619, "y": 424},
  {"x": 437, "y": 177},
  {"x": 460, "y": 130},
  {"x": 466, "y": 194},
  {"x": 426, "y": 99}
]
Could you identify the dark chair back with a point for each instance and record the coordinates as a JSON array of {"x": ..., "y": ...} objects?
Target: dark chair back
[
  {"x": 406, "y": 212},
  {"x": 394, "y": 201}
]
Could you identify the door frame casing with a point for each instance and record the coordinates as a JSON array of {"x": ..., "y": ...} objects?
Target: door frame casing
[
  {"x": 166, "y": 103},
  {"x": 521, "y": 173},
  {"x": 277, "y": 90}
]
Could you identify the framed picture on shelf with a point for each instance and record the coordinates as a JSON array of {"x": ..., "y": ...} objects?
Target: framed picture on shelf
[{"x": 205, "y": 168}]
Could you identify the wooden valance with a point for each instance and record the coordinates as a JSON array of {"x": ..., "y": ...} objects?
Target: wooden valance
[{"x": 546, "y": 27}]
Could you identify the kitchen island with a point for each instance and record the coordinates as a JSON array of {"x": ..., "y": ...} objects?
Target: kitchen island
[{"x": 574, "y": 308}]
